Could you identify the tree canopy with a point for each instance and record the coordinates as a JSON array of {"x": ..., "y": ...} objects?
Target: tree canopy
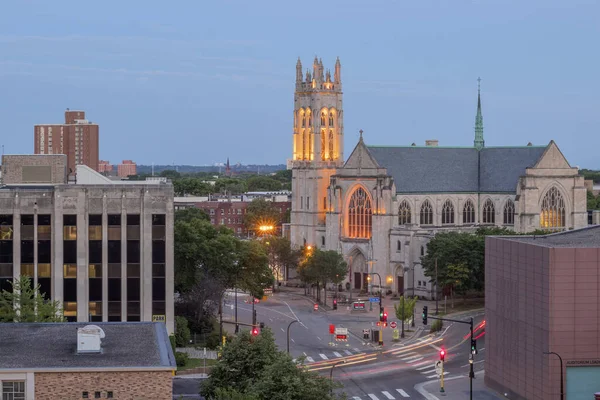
[
  {"x": 261, "y": 212},
  {"x": 25, "y": 303},
  {"x": 251, "y": 367},
  {"x": 323, "y": 267}
]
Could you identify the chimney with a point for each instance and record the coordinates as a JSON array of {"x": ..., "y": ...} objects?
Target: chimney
[
  {"x": 89, "y": 339},
  {"x": 432, "y": 143}
]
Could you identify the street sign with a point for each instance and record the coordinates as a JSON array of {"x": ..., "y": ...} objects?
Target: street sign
[
  {"x": 359, "y": 306},
  {"x": 340, "y": 331},
  {"x": 438, "y": 368},
  {"x": 374, "y": 299},
  {"x": 393, "y": 324},
  {"x": 366, "y": 333},
  {"x": 316, "y": 307},
  {"x": 396, "y": 335},
  {"x": 332, "y": 329},
  {"x": 341, "y": 338},
  {"x": 158, "y": 318},
  {"x": 268, "y": 291}
]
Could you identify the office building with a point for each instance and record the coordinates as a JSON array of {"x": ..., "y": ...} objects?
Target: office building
[
  {"x": 78, "y": 138},
  {"x": 126, "y": 168}
]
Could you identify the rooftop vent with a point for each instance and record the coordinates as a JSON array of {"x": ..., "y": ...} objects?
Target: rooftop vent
[
  {"x": 529, "y": 144},
  {"x": 413, "y": 145},
  {"x": 432, "y": 143},
  {"x": 89, "y": 339}
]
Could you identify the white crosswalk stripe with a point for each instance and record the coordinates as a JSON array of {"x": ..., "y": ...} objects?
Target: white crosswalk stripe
[
  {"x": 425, "y": 367},
  {"x": 402, "y": 393},
  {"x": 410, "y": 357},
  {"x": 356, "y": 398},
  {"x": 428, "y": 371},
  {"x": 356, "y": 350},
  {"x": 348, "y": 352},
  {"x": 435, "y": 375},
  {"x": 415, "y": 360},
  {"x": 310, "y": 359},
  {"x": 372, "y": 396},
  {"x": 323, "y": 356},
  {"x": 335, "y": 353},
  {"x": 421, "y": 363},
  {"x": 388, "y": 395}
]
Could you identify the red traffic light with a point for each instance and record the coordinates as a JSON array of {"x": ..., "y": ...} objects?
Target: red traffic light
[
  {"x": 442, "y": 354},
  {"x": 384, "y": 316},
  {"x": 254, "y": 331}
]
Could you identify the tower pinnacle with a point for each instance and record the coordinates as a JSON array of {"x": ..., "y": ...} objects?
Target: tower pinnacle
[{"x": 479, "y": 142}]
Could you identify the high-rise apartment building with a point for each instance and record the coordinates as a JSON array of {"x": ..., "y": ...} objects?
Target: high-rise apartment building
[
  {"x": 78, "y": 138},
  {"x": 126, "y": 168},
  {"x": 104, "y": 167}
]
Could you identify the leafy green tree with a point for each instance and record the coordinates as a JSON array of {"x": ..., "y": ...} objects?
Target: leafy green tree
[
  {"x": 191, "y": 186},
  {"x": 456, "y": 279},
  {"x": 323, "y": 267},
  {"x": 258, "y": 183},
  {"x": 408, "y": 305},
  {"x": 592, "y": 201},
  {"x": 182, "y": 332},
  {"x": 232, "y": 394},
  {"x": 170, "y": 173},
  {"x": 253, "y": 268},
  {"x": 261, "y": 212},
  {"x": 253, "y": 366},
  {"x": 189, "y": 214},
  {"x": 24, "y": 303},
  {"x": 230, "y": 185},
  {"x": 282, "y": 257}
]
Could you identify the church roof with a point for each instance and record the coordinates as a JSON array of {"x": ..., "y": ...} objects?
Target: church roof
[{"x": 456, "y": 169}]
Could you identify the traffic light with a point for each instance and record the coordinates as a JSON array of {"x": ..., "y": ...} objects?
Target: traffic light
[
  {"x": 385, "y": 318},
  {"x": 254, "y": 331},
  {"x": 424, "y": 315},
  {"x": 442, "y": 354},
  {"x": 335, "y": 304},
  {"x": 380, "y": 314},
  {"x": 473, "y": 346}
]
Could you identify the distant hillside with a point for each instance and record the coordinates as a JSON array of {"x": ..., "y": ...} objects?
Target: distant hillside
[{"x": 260, "y": 169}]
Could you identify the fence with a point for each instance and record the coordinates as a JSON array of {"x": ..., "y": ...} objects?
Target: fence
[{"x": 198, "y": 353}]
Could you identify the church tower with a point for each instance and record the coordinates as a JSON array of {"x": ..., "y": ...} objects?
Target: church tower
[{"x": 318, "y": 147}]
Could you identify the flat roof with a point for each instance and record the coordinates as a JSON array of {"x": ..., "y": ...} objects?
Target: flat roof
[
  {"x": 588, "y": 237},
  {"x": 54, "y": 346}
]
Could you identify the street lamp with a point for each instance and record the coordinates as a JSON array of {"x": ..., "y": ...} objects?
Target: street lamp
[
  {"x": 288, "y": 335},
  {"x": 331, "y": 372},
  {"x": 562, "y": 389},
  {"x": 371, "y": 262}
]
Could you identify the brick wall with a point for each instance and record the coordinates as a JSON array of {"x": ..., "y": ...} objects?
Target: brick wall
[
  {"x": 12, "y": 167},
  {"x": 147, "y": 385}
]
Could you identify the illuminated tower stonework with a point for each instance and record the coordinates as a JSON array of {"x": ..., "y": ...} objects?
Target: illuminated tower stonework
[{"x": 318, "y": 147}]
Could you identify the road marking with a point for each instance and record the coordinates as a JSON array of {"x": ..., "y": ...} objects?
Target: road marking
[
  {"x": 428, "y": 371},
  {"x": 476, "y": 362},
  {"x": 436, "y": 375},
  {"x": 271, "y": 319},
  {"x": 409, "y": 358},
  {"x": 421, "y": 363},
  {"x": 356, "y": 350},
  {"x": 402, "y": 393},
  {"x": 318, "y": 338},
  {"x": 294, "y": 314},
  {"x": 356, "y": 398},
  {"x": 335, "y": 353},
  {"x": 293, "y": 341},
  {"x": 435, "y": 347},
  {"x": 415, "y": 360},
  {"x": 482, "y": 349},
  {"x": 282, "y": 330},
  {"x": 427, "y": 367},
  {"x": 388, "y": 395},
  {"x": 348, "y": 352},
  {"x": 371, "y": 395},
  {"x": 324, "y": 357},
  {"x": 309, "y": 359}
]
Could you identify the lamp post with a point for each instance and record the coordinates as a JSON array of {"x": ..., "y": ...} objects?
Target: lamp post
[
  {"x": 288, "y": 335},
  {"x": 331, "y": 372},
  {"x": 370, "y": 287},
  {"x": 562, "y": 389}
]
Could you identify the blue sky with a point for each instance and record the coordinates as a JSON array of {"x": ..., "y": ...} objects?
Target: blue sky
[{"x": 195, "y": 82}]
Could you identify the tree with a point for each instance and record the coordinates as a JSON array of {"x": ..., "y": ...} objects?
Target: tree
[
  {"x": 324, "y": 267},
  {"x": 456, "y": 279},
  {"x": 230, "y": 185},
  {"x": 182, "y": 332},
  {"x": 253, "y": 268},
  {"x": 592, "y": 201},
  {"x": 261, "y": 212},
  {"x": 263, "y": 183},
  {"x": 253, "y": 366},
  {"x": 189, "y": 214},
  {"x": 282, "y": 257},
  {"x": 24, "y": 303},
  {"x": 191, "y": 186},
  {"x": 408, "y": 305}
]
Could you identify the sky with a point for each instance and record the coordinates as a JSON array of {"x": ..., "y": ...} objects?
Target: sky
[{"x": 195, "y": 82}]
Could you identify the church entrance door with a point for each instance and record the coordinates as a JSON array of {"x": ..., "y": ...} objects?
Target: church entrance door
[
  {"x": 357, "y": 280},
  {"x": 400, "y": 280}
]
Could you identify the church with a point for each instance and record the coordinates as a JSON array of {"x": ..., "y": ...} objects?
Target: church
[{"x": 381, "y": 205}]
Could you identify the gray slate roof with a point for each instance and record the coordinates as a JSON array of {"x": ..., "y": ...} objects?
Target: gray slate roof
[
  {"x": 588, "y": 237},
  {"x": 54, "y": 345},
  {"x": 456, "y": 169}
]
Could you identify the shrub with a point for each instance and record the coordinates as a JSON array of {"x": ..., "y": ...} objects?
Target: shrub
[
  {"x": 181, "y": 359},
  {"x": 437, "y": 325},
  {"x": 182, "y": 332}
]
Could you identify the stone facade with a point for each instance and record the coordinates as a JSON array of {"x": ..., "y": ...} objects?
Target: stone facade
[
  {"x": 32, "y": 169},
  {"x": 124, "y": 385},
  {"x": 463, "y": 189}
]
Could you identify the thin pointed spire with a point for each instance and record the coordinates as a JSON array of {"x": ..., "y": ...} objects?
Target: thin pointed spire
[{"x": 479, "y": 142}]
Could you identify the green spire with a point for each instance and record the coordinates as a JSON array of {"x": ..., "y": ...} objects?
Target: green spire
[{"x": 479, "y": 142}]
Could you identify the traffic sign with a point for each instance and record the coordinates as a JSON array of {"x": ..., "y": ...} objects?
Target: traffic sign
[
  {"x": 393, "y": 324},
  {"x": 340, "y": 331},
  {"x": 374, "y": 299},
  {"x": 316, "y": 307},
  {"x": 332, "y": 329},
  {"x": 438, "y": 367},
  {"x": 359, "y": 306}
]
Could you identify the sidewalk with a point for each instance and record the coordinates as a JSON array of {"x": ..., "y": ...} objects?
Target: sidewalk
[{"x": 457, "y": 388}]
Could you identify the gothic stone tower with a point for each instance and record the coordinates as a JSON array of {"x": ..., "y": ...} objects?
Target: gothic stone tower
[{"x": 318, "y": 145}]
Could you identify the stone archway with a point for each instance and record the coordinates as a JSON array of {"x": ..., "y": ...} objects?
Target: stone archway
[
  {"x": 358, "y": 270},
  {"x": 399, "y": 279}
]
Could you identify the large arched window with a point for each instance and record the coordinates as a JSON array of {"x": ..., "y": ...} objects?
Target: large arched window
[
  {"x": 426, "y": 216},
  {"x": 360, "y": 214},
  {"x": 322, "y": 144},
  {"x": 404, "y": 213},
  {"x": 323, "y": 116},
  {"x": 331, "y": 120},
  {"x": 553, "y": 210},
  {"x": 489, "y": 213},
  {"x": 448, "y": 212},
  {"x": 331, "y": 157},
  {"x": 509, "y": 212},
  {"x": 469, "y": 212}
]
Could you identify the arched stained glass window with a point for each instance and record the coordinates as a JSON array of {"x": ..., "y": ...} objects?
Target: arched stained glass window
[
  {"x": 509, "y": 212},
  {"x": 323, "y": 144},
  {"x": 323, "y": 116},
  {"x": 489, "y": 212},
  {"x": 404, "y": 213},
  {"x": 331, "y": 119},
  {"x": 553, "y": 210},
  {"x": 469, "y": 213},
  {"x": 331, "y": 144},
  {"x": 360, "y": 215},
  {"x": 448, "y": 213},
  {"x": 426, "y": 215}
]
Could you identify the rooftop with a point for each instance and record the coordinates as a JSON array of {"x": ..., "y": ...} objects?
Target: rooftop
[
  {"x": 37, "y": 346},
  {"x": 577, "y": 238}
]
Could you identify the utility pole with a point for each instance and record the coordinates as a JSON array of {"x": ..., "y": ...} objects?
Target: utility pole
[
  {"x": 436, "y": 288},
  {"x": 237, "y": 327}
]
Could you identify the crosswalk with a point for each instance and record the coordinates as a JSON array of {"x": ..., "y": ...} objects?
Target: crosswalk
[
  {"x": 390, "y": 394},
  {"x": 424, "y": 365},
  {"x": 329, "y": 355}
]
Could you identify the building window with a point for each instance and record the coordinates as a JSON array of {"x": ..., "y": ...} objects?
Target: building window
[
  {"x": 322, "y": 240},
  {"x": 222, "y": 211},
  {"x": 469, "y": 213},
  {"x": 509, "y": 212},
  {"x": 323, "y": 116},
  {"x": 324, "y": 203},
  {"x": 489, "y": 214},
  {"x": 97, "y": 395},
  {"x": 404, "y": 213},
  {"x": 307, "y": 203},
  {"x": 359, "y": 215},
  {"x": 301, "y": 201},
  {"x": 426, "y": 217},
  {"x": 553, "y": 210},
  {"x": 85, "y": 395},
  {"x": 399, "y": 245},
  {"x": 109, "y": 395},
  {"x": 14, "y": 390},
  {"x": 422, "y": 250},
  {"x": 330, "y": 119},
  {"x": 212, "y": 211},
  {"x": 448, "y": 213}
]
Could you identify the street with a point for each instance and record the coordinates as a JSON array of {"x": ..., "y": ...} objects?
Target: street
[{"x": 396, "y": 371}]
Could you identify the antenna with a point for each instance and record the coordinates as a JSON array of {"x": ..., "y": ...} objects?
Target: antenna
[{"x": 152, "y": 169}]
